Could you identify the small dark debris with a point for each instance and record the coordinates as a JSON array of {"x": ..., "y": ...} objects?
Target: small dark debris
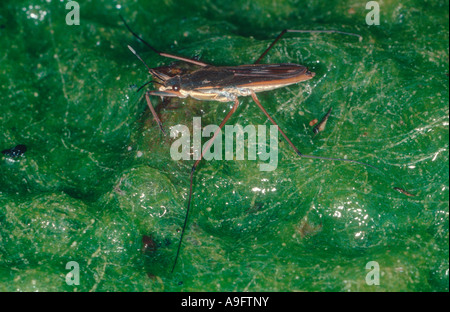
[
  {"x": 307, "y": 229},
  {"x": 16, "y": 151},
  {"x": 257, "y": 206},
  {"x": 398, "y": 189},
  {"x": 149, "y": 245},
  {"x": 151, "y": 276}
]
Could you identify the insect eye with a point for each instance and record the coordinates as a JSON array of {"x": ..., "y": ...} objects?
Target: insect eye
[{"x": 176, "y": 88}]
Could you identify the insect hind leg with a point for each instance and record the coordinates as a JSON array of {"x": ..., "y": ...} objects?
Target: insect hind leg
[
  {"x": 255, "y": 98},
  {"x": 303, "y": 31}
]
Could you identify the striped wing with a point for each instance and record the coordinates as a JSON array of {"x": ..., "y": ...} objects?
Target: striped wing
[{"x": 241, "y": 76}]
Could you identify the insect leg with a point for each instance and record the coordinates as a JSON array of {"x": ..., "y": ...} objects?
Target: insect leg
[
  {"x": 155, "y": 115},
  {"x": 293, "y": 146},
  {"x": 176, "y": 57},
  {"x": 303, "y": 31},
  {"x": 210, "y": 142},
  {"x": 401, "y": 190}
]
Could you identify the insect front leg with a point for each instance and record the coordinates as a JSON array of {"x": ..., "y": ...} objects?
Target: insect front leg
[
  {"x": 168, "y": 93},
  {"x": 155, "y": 115}
]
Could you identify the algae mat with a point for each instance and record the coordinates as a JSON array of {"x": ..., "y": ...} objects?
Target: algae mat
[{"x": 97, "y": 190}]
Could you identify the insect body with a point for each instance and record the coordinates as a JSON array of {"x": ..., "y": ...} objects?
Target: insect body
[
  {"x": 321, "y": 125},
  {"x": 226, "y": 84}
]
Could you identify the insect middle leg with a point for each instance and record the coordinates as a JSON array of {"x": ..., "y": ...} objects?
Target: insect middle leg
[{"x": 207, "y": 146}]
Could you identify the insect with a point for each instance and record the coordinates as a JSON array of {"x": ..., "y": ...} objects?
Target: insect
[
  {"x": 321, "y": 125},
  {"x": 399, "y": 189},
  {"x": 227, "y": 84}
]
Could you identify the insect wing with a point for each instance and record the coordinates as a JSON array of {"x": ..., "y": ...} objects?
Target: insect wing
[
  {"x": 246, "y": 76},
  {"x": 267, "y": 73}
]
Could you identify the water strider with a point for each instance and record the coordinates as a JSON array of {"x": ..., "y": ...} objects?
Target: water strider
[{"x": 227, "y": 84}]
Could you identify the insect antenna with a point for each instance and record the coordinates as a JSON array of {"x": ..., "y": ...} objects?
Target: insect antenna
[
  {"x": 140, "y": 58},
  {"x": 147, "y": 83},
  {"x": 151, "y": 70},
  {"x": 138, "y": 37},
  {"x": 176, "y": 57}
]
